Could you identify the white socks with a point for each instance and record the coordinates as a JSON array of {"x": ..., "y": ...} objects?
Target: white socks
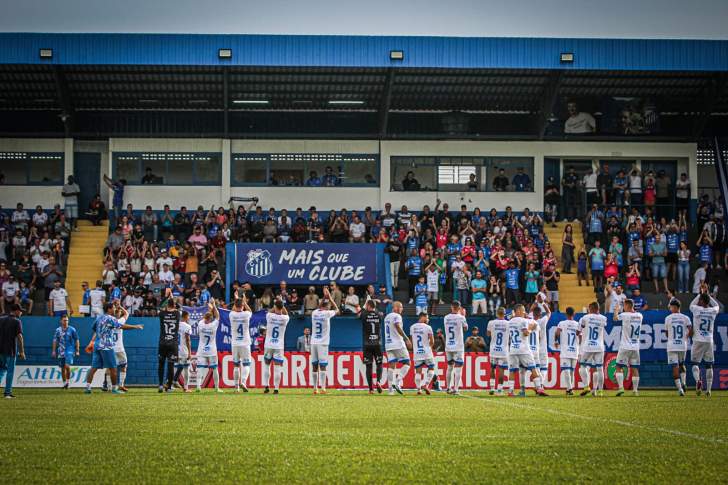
[
  {"x": 567, "y": 374},
  {"x": 620, "y": 379},
  {"x": 457, "y": 372},
  {"x": 216, "y": 378},
  {"x": 236, "y": 376},
  {"x": 88, "y": 386},
  {"x": 635, "y": 383},
  {"x": 683, "y": 375},
  {"x": 708, "y": 379},
  {"x": 522, "y": 379},
  {"x": 600, "y": 377},
  {"x": 322, "y": 378},
  {"x": 244, "y": 373},
  {"x": 537, "y": 382},
  {"x": 696, "y": 373},
  {"x": 678, "y": 383},
  {"x": 449, "y": 376},
  {"x": 492, "y": 383},
  {"x": 122, "y": 378},
  {"x": 277, "y": 371},
  {"x": 108, "y": 380},
  {"x": 265, "y": 375},
  {"x": 428, "y": 378},
  {"x": 584, "y": 373},
  {"x": 390, "y": 378},
  {"x": 419, "y": 379},
  {"x": 315, "y": 378},
  {"x": 186, "y": 376},
  {"x": 402, "y": 372},
  {"x": 201, "y": 375}
]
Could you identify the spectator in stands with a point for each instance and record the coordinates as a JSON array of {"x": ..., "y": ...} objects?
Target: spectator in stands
[
  {"x": 20, "y": 219},
  {"x": 613, "y": 295},
  {"x": 149, "y": 177},
  {"x": 40, "y": 220},
  {"x": 663, "y": 184},
  {"x": 214, "y": 284},
  {"x": 149, "y": 223},
  {"x": 597, "y": 255},
  {"x": 605, "y": 184},
  {"x": 199, "y": 241},
  {"x": 475, "y": 343},
  {"x": 357, "y": 231},
  {"x": 182, "y": 225},
  {"x": 640, "y": 302},
  {"x": 25, "y": 275},
  {"x": 439, "y": 345},
  {"x": 595, "y": 218},
  {"x": 551, "y": 279},
  {"x": 633, "y": 280},
  {"x": 414, "y": 268},
  {"x": 521, "y": 181},
  {"x": 335, "y": 294},
  {"x": 382, "y": 299},
  {"x": 410, "y": 183},
  {"x": 11, "y": 293},
  {"x": 479, "y": 288},
  {"x": 351, "y": 301},
  {"x": 683, "y": 268},
  {"x": 118, "y": 201},
  {"x": 218, "y": 246},
  {"x": 157, "y": 287},
  {"x": 51, "y": 273},
  {"x": 70, "y": 192},
  {"x": 472, "y": 185},
  {"x": 313, "y": 180},
  {"x": 149, "y": 305},
  {"x": 310, "y": 301},
  {"x": 682, "y": 194},
  {"x": 20, "y": 245},
  {"x": 658, "y": 252},
  {"x": 500, "y": 183},
  {"x": 63, "y": 231},
  {"x": 315, "y": 228},
  {"x": 512, "y": 290},
  {"x": 329, "y": 179},
  {"x": 114, "y": 243}
]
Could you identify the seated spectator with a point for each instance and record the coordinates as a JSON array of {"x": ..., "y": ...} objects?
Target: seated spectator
[
  {"x": 329, "y": 179},
  {"x": 351, "y": 302},
  {"x": 11, "y": 293},
  {"x": 149, "y": 305},
  {"x": 640, "y": 303},
  {"x": 313, "y": 180},
  {"x": 410, "y": 183},
  {"x": 20, "y": 219},
  {"x": 357, "y": 231},
  {"x": 148, "y": 178},
  {"x": 40, "y": 220}
]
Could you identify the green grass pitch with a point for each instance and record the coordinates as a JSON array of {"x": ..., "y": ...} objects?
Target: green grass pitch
[{"x": 55, "y": 436}]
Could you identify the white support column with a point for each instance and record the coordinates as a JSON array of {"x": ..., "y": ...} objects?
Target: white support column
[
  {"x": 67, "y": 158},
  {"x": 226, "y": 168}
]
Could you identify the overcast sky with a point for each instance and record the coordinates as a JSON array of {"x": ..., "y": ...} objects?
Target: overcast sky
[{"x": 674, "y": 19}]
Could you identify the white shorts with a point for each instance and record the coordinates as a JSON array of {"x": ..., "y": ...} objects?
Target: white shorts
[
  {"x": 121, "y": 357},
  {"x": 568, "y": 364},
  {"x": 628, "y": 357},
  {"x": 182, "y": 362},
  {"x": 205, "y": 362},
  {"x": 97, "y": 311},
  {"x": 515, "y": 361},
  {"x": 554, "y": 296},
  {"x": 501, "y": 362},
  {"x": 702, "y": 352},
  {"x": 71, "y": 211},
  {"x": 676, "y": 357},
  {"x": 420, "y": 309},
  {"x": 430, "y": 363},
  {"x": 593, "y": 359},
  {"x": 241, "y": 353},
  {"x": 276, "y": 355},
  {"x": 457, "y": 357},
  {"x": 543, "y": 359},
  {"x": 398, "y": 355},
  {"x": 285, "y": 238},
  {"x": 320, "y": 355}
]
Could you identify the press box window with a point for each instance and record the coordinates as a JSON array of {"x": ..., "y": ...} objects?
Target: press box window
[{"x": 19, "y": 168}]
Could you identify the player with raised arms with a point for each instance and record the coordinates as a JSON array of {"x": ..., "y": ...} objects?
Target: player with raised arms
[
  {"x": 277, "y": 320},
  {"x": 422, "y": 341},
  {"x": 371, "y": 324},
  {"x": 704, "y": 309},
  {"x": 678, "y": 329},
  {"x": 240, "y": 329},
  {"x": 543, "y": 344},
  {"x": 168, "y": 337},
  {"x": 534, "y": 340},
  {"x": 207, "y": 349},
  {"x": 498, "y": 333},
  {"x": 629, "y": 345},
  {"x": 566, "y": 341},
  {"x": 455, "y": 323},
  {"x": 592, "y": 325},
  {"x": 396, "y": 344},
  {"x": 321, "y": 324},
  {"x": 519, "y": 353}
]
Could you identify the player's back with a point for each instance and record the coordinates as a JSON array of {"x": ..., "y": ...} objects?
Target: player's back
[
  {"x": 371, "y": 324},
  {"x": 96, "y": 297},
  {"x": 392, "y": 339},
  {"x": 543, "y": 337},
  {"x": 321, "y": 323},
  {"x": 703, "y": 322},
  {"x": 208, "y": 338},
  {"x": 519, "y": 343},
  {"x": 498, "y": 338},
  {"x": 677, "y": 325},
  {"x": 421, "y": 341},
  {"x": 184, "y": 329},
  {"x": 534, "y": 341},
  {"x": 631, "y": 327},
  {"x": 168, "y": 326},
  {"x": 276, "y": 330},
  {"x": 119, "y": 337},
  {"x": 569, "y": 339},
  {"x": 593, "y": 325},
  {"x": 240, "y": 328},
  {"x": 454, "y": 325}
]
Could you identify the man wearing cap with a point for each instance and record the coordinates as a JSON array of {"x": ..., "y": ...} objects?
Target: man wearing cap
[
  {"x": 382, "y": 299},
  {"x": 11, "y": 329},
  {"x": 439, "y": 345},
  {"x": 475, "y": 342},
  {"x": 605, "y": 183},
  {"x": 115, "y": 242},
  {"x": 28, "y": 275},
  {"x": 70, "y": 192},
  {"x": 11, "y": 293},
  {"x": 521, "y": 181},
  {"x": 149, "y": 223}
]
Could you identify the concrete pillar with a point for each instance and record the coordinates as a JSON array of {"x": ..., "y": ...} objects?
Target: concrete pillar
[
  {"x": 226, "y": 168},
  {"x": 67, "y": 158}
]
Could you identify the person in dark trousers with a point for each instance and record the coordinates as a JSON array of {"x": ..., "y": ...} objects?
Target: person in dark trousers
[
  {"x": 10, "y": 330},
  {"x": 169, "y": 319}
]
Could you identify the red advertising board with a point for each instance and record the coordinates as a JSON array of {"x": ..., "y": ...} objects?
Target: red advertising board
[{"x": 347, "y": 371}]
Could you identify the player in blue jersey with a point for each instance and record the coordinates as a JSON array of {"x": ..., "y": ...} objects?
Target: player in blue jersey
[
  {"x": 104, "y": 357},
  {"x": 65, "y": 348}
]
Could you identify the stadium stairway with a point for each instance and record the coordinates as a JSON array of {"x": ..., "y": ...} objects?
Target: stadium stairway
[
  {"x": 84, "y": 259},
  {"x": 570, "y": 293}
]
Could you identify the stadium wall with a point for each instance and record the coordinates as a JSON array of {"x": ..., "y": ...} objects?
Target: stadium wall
[
  {"x": 336, "y": 197},
  {"x": 141, "y": 346}
]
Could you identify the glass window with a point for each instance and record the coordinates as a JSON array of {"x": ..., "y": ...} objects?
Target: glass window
[
  {"x": 157, "y": 162},
  {"x": 46, "y": 168},
  {"x": 127, "y": 167},
  {"x": 424, "y": 173},
  {"x": 283, "y": 166},
  {"x": 181, "y": 168},
  {"x": 517, "y": 170},
  {"x": 250, "y": 170},
  {"x": 14, "y": 167},
  {"x": 207, "y": 169},
  {"x": 360, "y": 170}
]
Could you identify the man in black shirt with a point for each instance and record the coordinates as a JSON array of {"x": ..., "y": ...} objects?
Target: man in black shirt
[
  {"x": 428, "y": 220},
  {"x": 463, "y": 216},
  {"x": 500, "y": 183},
  {"x": 410, "y": 183},
  {"x": 371, "y": 322},
  {"x": 551, "y": 278},
  {"x": 182, "y": 225},
  {"x": 10, "y": 330},
  {"x": 382, "y": 298},
  {"x": 446, "y": 214},
  {"x": 315, "y": 229},
  {"x": 169, "y": 319},
  {"x": 394, "y": 250},
  {"x": 605, "y": 183},
  {"x": 551, "y": 200},
  {"x": 570, "y": 182}
]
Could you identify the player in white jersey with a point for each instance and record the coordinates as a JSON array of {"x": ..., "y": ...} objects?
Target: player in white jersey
[
  {"x": 422, "y": 341},
  {"x": 240, "y": 329},
  {"x": 396, "y": 344},
  {"x": 535, "y": 342},
  {"x": 184, "y": 351},
  {"x": 629, "y": 345},
  {"x": 122, "y": 316},
  {"x": 592, "y": 330},
  {"x": 207, "y": 349},
  {"x": 321, "y": 325},
  {"x": 96, "y": 299},
  {"x": 678, "y": 329},
  {"x": 519, "y": 353},
  {"x": 498, "y": 334},
  {"x": 455, "y": 324},
  {"x": 277, "y": 320},
  {"x": 704, "y": 309},
  {"x": 566, "y": 341}
]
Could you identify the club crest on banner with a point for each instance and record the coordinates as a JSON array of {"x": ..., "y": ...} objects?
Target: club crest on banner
[{"x": 259, "y": 263}]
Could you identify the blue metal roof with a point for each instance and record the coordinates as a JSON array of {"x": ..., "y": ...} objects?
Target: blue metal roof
[{"x": 364, "y": 51}]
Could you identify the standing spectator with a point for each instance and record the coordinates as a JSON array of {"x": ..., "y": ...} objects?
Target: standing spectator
[
  {"x": 421, "y": 296},
  {"x": 433, "y": 285},
  {"x": 633, "y": 280},
  {"x": 475, "y": 342},
  {"x": 118, "y": 201},
  {"x": 500, "y": 183},
  {"x": 59, "y": 301},
  {"x": 570, "y": 182},
  {"x": 149, "y": 223},
  {"x": 513, "y": 291},
  {"x": 382, "y": 299},
  {"x": 595, "y": 217},
  {"x": 663, "y": 184},
  {"x": 568, "y": 246},
  {"x": 214, "y": 284},
  {"x": 605, "y": 183},
  {"x": 590, "y": 185},
  {"x": 414, "y": 268},
  {"x": 521, "y": 181},
  {"x": 551, "y": 278},
  {"x": 167, "y": 223},
  {"x": 462, "y": 284},
  {"x": 335, "y": 294},
  {"x": 479, "y": 287},
  {"x": 439, "y": 345},
  {"x": 472, "y": 185},
  {"x": 551, "y": 201},
  {"x": 658, "y": 251},
  {"x": 11, "y": 329},
  {"x": 597, "y": 256},
  {"x": 682, "y": 194},
  {"x": 71, "y": 191},
  {"x": 310, "y": 301},
  {"x": 410, "y": 183},
  {"x": 51, "y": 273},
  {"x": 640, "y": 302},
  {"x": 635, "y": 186},
  {"x": 621, "y": 186},
  {"x": 532, "y": 279},
  {"x": 683, "y": 268},
  {"x": 304, "y": 341}
]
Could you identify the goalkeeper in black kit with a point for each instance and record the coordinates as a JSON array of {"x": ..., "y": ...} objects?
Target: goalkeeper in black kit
[{"x": 371, "y": 322}]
